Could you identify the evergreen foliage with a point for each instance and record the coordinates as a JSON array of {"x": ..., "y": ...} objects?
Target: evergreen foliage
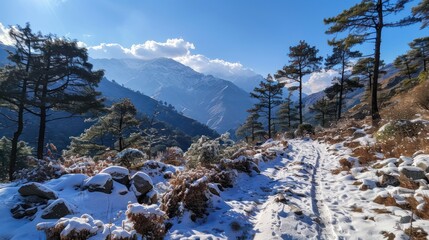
[
  {"x": 421, "y": 11},
  {"x": 324, "y": 109},
  {"x": 287, "y": 112},
  {"x": 251, "y": 129},
  {"x": 406, "y": 65},
  {"x": 269, "y": 94},
  {"x": 114, "y": 131},
  {"x": 303, "y": 60},
  {"x": 23, "y": 151},
  {"x": 420, "y": 51},
  {"x": 341, "y": 56},
  {"x": 365, "y": 22}
]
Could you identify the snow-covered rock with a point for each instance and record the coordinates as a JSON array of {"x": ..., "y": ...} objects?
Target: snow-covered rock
[
  {"x": 422, "y": 161},
  {"x": 57, "y": 209},
  {"x": 414, "y": 173},
  {"x": 119, "y": 174},
  {"x": 101, "y": 182},
  {"x": 37, "y": 189},
  {"x": 389, "y": 180},
  {"x": 141, "y": 185}
]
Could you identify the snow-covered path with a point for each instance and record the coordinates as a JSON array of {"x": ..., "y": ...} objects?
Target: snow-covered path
[{"x": 296, "y": 178}]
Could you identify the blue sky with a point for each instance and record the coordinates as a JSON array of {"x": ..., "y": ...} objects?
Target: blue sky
[{"x": 254, "y": 33}]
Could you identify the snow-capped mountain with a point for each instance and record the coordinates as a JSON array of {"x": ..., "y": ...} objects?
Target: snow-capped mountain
[{"x": 216, "y": 102}]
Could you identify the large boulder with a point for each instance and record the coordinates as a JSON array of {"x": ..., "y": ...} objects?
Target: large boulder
[
  {"x": 101, "y": 182},
  {"x": 119, "y": 174},
  {"x": 414, "y": 173},
  {"x": 141, "y": 184},
  {"x": 37, "y": 189},
  {"x": 57, "y": 209}
]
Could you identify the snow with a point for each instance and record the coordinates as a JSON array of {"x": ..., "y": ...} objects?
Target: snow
[
  {"x": 153, "y": 209},
  {"x": 127, "y": 151},
  {"x": 97, "y": 180},
  {"x": 295, "y": 196},
  {"x": 116, "y": 170}
]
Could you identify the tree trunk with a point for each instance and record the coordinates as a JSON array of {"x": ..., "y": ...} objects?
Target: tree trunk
[
  {"x": 300, "y": 98},
  {"x": 408, "y": 69},
  {"x": 42, "y": 130},
  {"x": 375, "y": 115},
  {"x": 269, "y": 117},
  {"x": 340, "y": 101},
  {"x": 14, "y": 151}
]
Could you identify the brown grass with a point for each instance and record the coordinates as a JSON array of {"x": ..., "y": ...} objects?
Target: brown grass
[
  {"x": 356, "y": 209},
  {"x": 150, "y": 226},
  {"x": 423, "y": 213},
  {"x": 381, "y": 211},
  {"x": 388, "y": 235},
  {"x": 364, "y": 154},
  {"x": 407, "y": 183},
  {"x": 345, "y": 165},
  {"x": 387, "y": 201},
  {"x": 416, "y": 233}
]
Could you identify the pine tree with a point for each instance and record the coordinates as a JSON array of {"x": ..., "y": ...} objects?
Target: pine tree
[
  {"x": 269, "y": 94},
  {"x": 421, "y": 11},
  {"x": 324, "y": 108},
  {"x": 404, "y": 63},
  {"x": 303, "y": 60},
  {"x": 16, "y": 80},
  {"x": 113, "y": 131},
  {"x": 341, "y": 57},
  {"x": 64, "y": 81},
  {"x": 420, "y": 51},
  {"x": 365, "y": 22},
  {"x": 287, "y": 113},
  {"x": 251, "y": 129},
  {"x": 23, "y": 151}
]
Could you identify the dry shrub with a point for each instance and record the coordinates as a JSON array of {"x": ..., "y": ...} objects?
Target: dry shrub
[
  {"x": 422, "y": 213},
  {"x": 149, "y": 224},
  {"x": 388, "y": 235},
  {"x": 173, "y": 156},
  {"x": 381, "y": 211},
  {"x": 39, "y": 170},
  {"x": 402, "y": 137},
  {"x": 243, "y": 164},
  {"x": 422, "y": 96},
  {"x": 352, "y": 144},
  {"x": 405, "y": 182},
  {"x": 85, "y": 165},
  {"x": 416, "y": 233},
  {"x": 387, "y": 201},
  {"x": 356, "y": 209},
  {"x": 64, "y": 228},
  {"x": 364, "y": 154},
  {"x": 189, "y": 188},
  {"x": 345, "y": 165}
]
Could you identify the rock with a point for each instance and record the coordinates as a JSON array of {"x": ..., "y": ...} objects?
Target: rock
[
  {"x": 422, "y": 161},
  {"x": 35, "y": 200},
  {"x": 57, "y": 209},
  {"x": 101, "y": 182},
  {"x": 413, "y": 173},
  {"x": 23, "y": 210},
  {"x": 358, "y": 134},
  {"x": 405, "y": 219},
  {"x": 37, "y": 189},
  {"x": 141, "y": 183},
  {"x": 280, "y": 198},
  {"x": 389, "y": 180},
  {"x": 295, "y": 210},
  {"x": 119, "y": 174},
  {"x": 149, "y": 198}
]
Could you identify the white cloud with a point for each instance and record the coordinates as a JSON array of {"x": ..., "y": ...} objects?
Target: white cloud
[
  {"x": 4, "y": 35},
  {"x": 177, "y": 49},
  {"x": 318, "y": 81}
]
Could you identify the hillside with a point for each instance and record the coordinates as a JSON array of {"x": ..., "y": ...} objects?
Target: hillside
[{"x": 215, "y": 102}]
